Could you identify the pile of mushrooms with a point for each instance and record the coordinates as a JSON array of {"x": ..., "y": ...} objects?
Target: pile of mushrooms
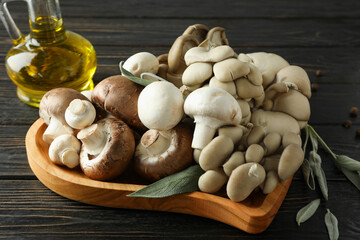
[
  {"x": 248, "y": 110},
  {"x": 236, "y": 115}
]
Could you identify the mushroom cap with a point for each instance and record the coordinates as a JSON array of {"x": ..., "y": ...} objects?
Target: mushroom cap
[
  {"x": 160, "y": 106},
  {"x": 55, "y": 102},
  {"x": 197, "y": 73},
  {"x": 230, "y": 69},
  {"x": 173, "y": 159},
  {"x": 293, "y": 103},
  {"x": 198, "y": 31},
  {"x": 142, "y": 62},
  {"x": 215, "y": 103},
  {"x": 214, "y": 38},
  {"x": 116, "y": 154},
  {"x": 227, "y": 86},
  {"x": 268, "y": 64},
  {"x": 201, "y": 54},
  {"x": 177, "y": 52},
  {"x": 275, "y": 122},
  {"x": 296, "y": 75},
  {"x": 119, "y": 96}
]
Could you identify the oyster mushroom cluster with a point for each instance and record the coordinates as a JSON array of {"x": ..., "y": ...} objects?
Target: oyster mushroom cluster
[{"x": 247, "y": 109}]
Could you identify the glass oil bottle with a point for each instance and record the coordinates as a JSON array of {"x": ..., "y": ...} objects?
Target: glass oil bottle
[{"x": 50, "y": 56}]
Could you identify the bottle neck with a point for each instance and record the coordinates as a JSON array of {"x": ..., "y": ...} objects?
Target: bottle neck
[{"x": 46, "y": 24}]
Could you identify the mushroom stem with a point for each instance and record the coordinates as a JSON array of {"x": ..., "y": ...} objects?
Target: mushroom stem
[
  {"x": 205, "y": 130},
  {"x": 55, "y": 129},
  {"x": 93, "y": 139},
  {"x": 70, "y": 158},
  {"x": 156, "y": 142}
]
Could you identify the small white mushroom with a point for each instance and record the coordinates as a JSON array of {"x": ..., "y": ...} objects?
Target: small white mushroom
[
  {"x": 196, "y": 155},
  {"x": 212, "y": 180},
  {"x": 80, "y": 114},
  {"x": 87, "y": 94},
  {"x": 245, "y": 110},
  {"x": 271, "y": 163},
  {"x": 291, "y": 159},
  {"x": 243, "y": 180},
  {"x": 235, "y": 160},
  {"x": 211, "y": 108},
  {"x": 214, "y": 154},
  {"x": 256, "y": 135},
  {"x": 142, "y": 62},
  {"x": 64, "y": 150},
  {"x": 160, "y": 106}
]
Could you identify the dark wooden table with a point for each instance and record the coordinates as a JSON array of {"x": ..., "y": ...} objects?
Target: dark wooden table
[{"x": 316, "y": 35}]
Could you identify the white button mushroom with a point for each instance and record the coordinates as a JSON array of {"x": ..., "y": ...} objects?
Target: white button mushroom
[
  {"x": 211, "y": 108},
  {"x": 80, "y": 114},
  {"x": 160, "y": 106},
  {"x": 142, "y": 62},
  {"x": 212, "y": 180},
  {"x": 64, "y": 150}
]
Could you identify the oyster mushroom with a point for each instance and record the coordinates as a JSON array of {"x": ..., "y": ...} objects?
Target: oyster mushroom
[
  {"x": 213, "y": 55},
  {"x": 291, "y": 159},
  {"x": 214, "y": 154},
  {"x": 197, "y": 73},
  {"x": 118, "y": 96},
  {"x": 214, "y": 38},
  {"x": 236, "y": 159},
  {"x": 162, "y": 153},
  {"x": 243, "y": 180},
  {"x": 198, "y": 31},
  {"x": 108, "y": 147},
  {"x": 268, "y": 64},
  {"x": 230, "y": 69},
  {"x": 160, "y": 106},
  {"x": 52, "y": 111},
  {"x": 211, "y": 108},
  {"x": 212, "y": 180},
  {"x": 297, "y": 77}
]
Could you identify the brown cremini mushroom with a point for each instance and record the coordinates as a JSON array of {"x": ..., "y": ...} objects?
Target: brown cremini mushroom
[
  {"x": 119, "y": 96},
  {"x": 52, "y": 111},
  {"x": 162, "y": 153},
  {"x": 108, "y": 147}
]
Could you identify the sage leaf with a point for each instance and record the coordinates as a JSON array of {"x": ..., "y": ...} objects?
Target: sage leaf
[
  {"x": 353, "y": 177},
  {"x": 308, "y": 174},
  {"x": 331, "y": 223},
  {"x": 306, "y": 212},
  {"x": 132, "y": 77},
  {"x": 320, "y": 175},
  {"x": 178, "y": 183},
  {"x": 306, "y": 137},
  {"x": 347, "y": 163}
]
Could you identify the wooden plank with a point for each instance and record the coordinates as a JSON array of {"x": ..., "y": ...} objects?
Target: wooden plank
[
  {"x": 204, "y": 9},
  {"x": 30, "y": 210},
  {"x": 253, "y": 33}
]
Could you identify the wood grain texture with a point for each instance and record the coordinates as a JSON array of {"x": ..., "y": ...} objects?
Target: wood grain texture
[
  {"x": 313, "y": 34},
  {"x": 252, "y": 215}
]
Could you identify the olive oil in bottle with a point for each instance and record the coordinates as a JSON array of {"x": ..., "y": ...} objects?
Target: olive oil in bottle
[{"x": 49, "y": 57}]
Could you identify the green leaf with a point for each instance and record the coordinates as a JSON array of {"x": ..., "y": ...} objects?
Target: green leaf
[
  {"x": 178, "y": 183},
  {"x": 353, "y": 177},
  {"x": 129, "y": 75},
  {"x": 314, "y": 141},
  {"x": 306, "y": 137},
  {"x": 331, "y": 223},
  {"x": 315, "y": 163},
  {"x": 308, "y": 174},
  {"x": 347, "y": 163},
  {"x": 306, "y": 212}
]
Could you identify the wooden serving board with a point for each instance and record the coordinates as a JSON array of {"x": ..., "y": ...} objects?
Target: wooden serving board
[{"x": 252, "y": 215}]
